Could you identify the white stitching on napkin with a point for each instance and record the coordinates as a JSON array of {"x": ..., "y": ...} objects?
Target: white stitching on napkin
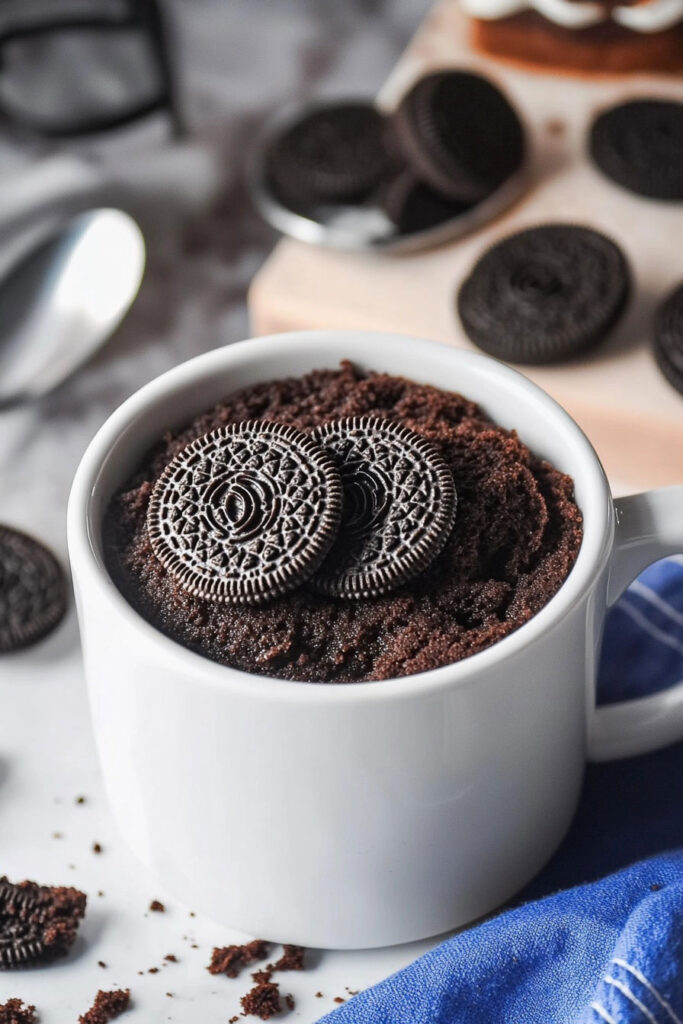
[
  {"x": 650, "y": 987},
  {"x": 625, "y": 990},
  {"x": 602, "y": 1012},
  {"x": 657, "y": 602},
  {"x": 647, "y": 626}
]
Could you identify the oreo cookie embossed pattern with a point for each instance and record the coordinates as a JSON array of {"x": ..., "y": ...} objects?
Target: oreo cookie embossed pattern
[
  {"x": 245, "y": 512},
  {"x": 399, "y": 506}
]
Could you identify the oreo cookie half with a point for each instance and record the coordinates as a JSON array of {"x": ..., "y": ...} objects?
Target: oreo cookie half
[
  {"x": 32, "y": 590},
  {"x": 545, "y": 294},
  {"x": 38, "y": 923},
  {"x": 246, "y": 512},
  {"x": 336, "y": 154},
  {"x": 639, "y": 145},
  {"x": 399, "y": 506},
  {"x": 669, "y": 338},
  {"x": 458, "y": 133}
]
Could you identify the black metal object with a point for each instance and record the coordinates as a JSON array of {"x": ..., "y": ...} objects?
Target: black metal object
[{"x": 21, "y": 19}]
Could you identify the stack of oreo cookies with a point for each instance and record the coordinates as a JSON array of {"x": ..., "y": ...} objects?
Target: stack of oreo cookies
[
  {"x": 453, "y": 141},
  {"x": 249, "y": 512}
]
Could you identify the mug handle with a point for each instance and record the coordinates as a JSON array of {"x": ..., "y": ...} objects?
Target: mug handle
[{"x": 649, "y": 527}]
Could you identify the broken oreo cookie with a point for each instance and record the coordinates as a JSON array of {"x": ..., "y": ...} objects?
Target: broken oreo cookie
[
  {"x": 38, "y": 923},
  {"x": 245, "y": 512},
  {"x": 399, "y": 506},
  {"x": 32, "y": 590},
  {"x": 544, "y": 294},
  {"x": 459, "y": 133},
  {"x": 669, "y": 338},
  {"x": 639, "y": 145},
  {"x": 336, "y": 154}
]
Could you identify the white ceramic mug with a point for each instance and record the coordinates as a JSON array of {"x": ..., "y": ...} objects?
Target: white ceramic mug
[{"x": 371, "y": 813}]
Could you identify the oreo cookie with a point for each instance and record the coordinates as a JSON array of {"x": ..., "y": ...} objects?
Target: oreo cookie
[
  {"x": 32, "y": 590},
  {"x": 38, "y": 923},
  {"x": 545, "y": 294},
  {"x": 246, "y": 512},
  {"x": 399, "y": 506},
  {"x": 639, "y": 145},
  {"x": 459, "y": 134},
  {"x": 668, "y": 347},
  {"x": 334, "y": 155},
  {"x": 413, "y": 206}
]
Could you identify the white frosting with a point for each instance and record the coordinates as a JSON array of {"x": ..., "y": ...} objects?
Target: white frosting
[
  {"x": 654, "y": 16},
  {"x": 649, "y": 16}
]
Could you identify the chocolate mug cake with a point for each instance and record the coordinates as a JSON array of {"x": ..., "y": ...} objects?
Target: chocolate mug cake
[{"x": 496, "y": 531}]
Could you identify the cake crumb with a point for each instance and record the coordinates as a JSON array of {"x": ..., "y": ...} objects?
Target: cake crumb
[
  {"x": 289, "y": 1000},
  {"x": 101, "y": 963},
  {"x": 157, "y": 907},
  {"x": 262, "y": 977},
  {"x": 153, "y": 970},
  {"x": 107, "y": 1007},
  {"x": 14, "y": 1012},
  {"x": 318, "y": 995},
  {"x": 339, "y": 999},
  {"x": 80, "y": 800},
  {"x": 97, "y": 848},
  {"x": 172, "y": 958},
  {"x": 230, "y": 960},
  {"x": 292, "y": 959},
  {"x": 262, "y": 1001}
]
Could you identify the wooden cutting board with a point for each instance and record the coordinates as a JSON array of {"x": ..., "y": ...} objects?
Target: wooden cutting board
[{"x": 631, "y": 414}]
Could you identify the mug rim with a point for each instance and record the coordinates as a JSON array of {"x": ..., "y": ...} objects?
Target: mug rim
[{"x": 90, "y": 570}]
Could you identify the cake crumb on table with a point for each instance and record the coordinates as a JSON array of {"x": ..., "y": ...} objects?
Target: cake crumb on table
[
  {"x": 230, "y": 960},
  {"x": 262, "y": 1001},
  {"x": 107, "y": 1007},
  {"x": 157, "y": 907},
  {"x": 14, "y": 1012},
  {"x": 292, "y": 959},
  {"x": 38, "y": 923}
]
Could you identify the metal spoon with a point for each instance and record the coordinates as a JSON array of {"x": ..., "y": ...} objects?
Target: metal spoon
[{"x": 64, "y": 298}]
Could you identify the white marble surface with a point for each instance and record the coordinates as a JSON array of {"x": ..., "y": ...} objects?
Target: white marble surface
[{"x": 237, "y": 61}]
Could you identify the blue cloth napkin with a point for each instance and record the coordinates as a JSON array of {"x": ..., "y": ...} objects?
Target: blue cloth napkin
[{"x": 607, "y": 948}]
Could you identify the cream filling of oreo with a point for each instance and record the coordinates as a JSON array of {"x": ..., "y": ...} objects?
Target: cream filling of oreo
[{"x": 652, "y": 16}]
